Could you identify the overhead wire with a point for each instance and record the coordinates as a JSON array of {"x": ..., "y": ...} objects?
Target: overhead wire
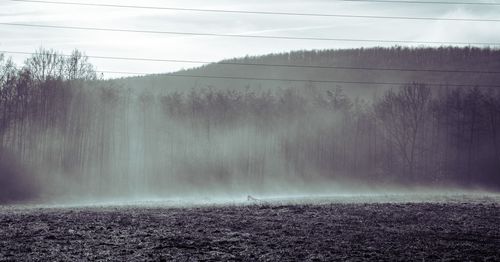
[
  {"x": 300, "y": 80},
  {"x": 275, "y": 37},
  {"x": 272, "y": 65},
  {"x": 423, "y": 2},
  {"x": 261, "y": 12},
  {"x": 249, "y": 36}
]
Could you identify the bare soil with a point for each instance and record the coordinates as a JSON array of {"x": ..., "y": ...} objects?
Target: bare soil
[{"x": 257, "y": 232}]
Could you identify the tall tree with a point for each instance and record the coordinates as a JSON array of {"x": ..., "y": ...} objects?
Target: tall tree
[
  {"x": 77, "y": 66},
  {"x": 45, "y": 64},
  {"x": 402, "y": 115}
]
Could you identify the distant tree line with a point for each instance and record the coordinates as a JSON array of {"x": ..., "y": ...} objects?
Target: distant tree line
[
  {"x": 412, "y": 64},
  {"x": 37, "y": 85},
  {"x": 413, "y": 134},
  {"x": 59, "y": 118}
]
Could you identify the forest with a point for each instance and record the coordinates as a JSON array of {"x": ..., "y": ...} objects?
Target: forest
[{"x": 66, "y": 132}]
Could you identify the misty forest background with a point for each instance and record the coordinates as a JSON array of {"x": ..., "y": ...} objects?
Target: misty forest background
[{"x": 64, "y": 131}]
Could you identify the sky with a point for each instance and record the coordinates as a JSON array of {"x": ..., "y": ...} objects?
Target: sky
[{"x": 211, "y": 48}]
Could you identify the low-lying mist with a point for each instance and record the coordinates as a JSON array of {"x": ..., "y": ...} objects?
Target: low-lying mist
[
  {"x": 109, "y": 143},
  {"x": 70, "y": 137},
  {"x": 122, "y": 145}
]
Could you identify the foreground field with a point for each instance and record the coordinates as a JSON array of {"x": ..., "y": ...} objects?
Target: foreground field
[{"x": 268, "y": 232}]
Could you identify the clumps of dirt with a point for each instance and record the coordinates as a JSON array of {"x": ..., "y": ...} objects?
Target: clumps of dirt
[{"x": 342, "y": 231}]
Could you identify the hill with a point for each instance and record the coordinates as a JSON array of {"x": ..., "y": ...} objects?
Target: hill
[{"x": 445, "y": 65}]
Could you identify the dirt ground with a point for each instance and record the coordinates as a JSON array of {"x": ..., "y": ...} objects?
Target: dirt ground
[{"x": 468, "y": 231}]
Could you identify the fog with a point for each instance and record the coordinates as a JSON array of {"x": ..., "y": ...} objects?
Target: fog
[
  {"x": 67, "y": 136},
  {"x": 128, "y": 147}
]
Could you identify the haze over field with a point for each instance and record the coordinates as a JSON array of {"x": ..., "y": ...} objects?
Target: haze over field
[
  {"x": 284, "y": 130},
  {"x": 66, "y": 135},
  {"x": 120, "y": 100}
]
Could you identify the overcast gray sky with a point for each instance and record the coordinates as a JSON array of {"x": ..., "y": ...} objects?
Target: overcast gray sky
[{"x": 205, "y": 48}]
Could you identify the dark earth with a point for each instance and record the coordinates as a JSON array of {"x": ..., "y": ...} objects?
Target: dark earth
[{"x": 260, "y": 231}]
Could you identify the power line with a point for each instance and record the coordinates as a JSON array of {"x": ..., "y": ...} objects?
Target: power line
[
  {"x": 422, "y": 2},
  {"x": 273, "y": 65},
  {"x": 281, "y": 79},
  {"x": 299, "y": 80},
  {"x": 262, "y": 12},
  {"x": 249, "y": 36}
]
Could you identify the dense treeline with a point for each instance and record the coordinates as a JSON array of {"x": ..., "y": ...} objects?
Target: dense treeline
[
  {"x": 412, "y": 134},
  {"x": 63, "y": 131},
  {"x": 34, "y": 99},
  {"x": 443, "y": 58}
]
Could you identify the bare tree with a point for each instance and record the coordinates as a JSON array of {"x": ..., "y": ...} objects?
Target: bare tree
[
  {"x": 402, "y": 115},
  {"x": 472, "y": 107},
  {"x": 7, "y": 70},
  {"x": 78, "y": 67},
  {"x": 45, "y": 64},
  {"x": 492, "y": 106}
]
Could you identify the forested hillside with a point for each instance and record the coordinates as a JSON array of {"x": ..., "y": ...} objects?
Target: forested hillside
[
  {"x": 64, "y": 132},
  {"x": 434, "y": 66}
]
